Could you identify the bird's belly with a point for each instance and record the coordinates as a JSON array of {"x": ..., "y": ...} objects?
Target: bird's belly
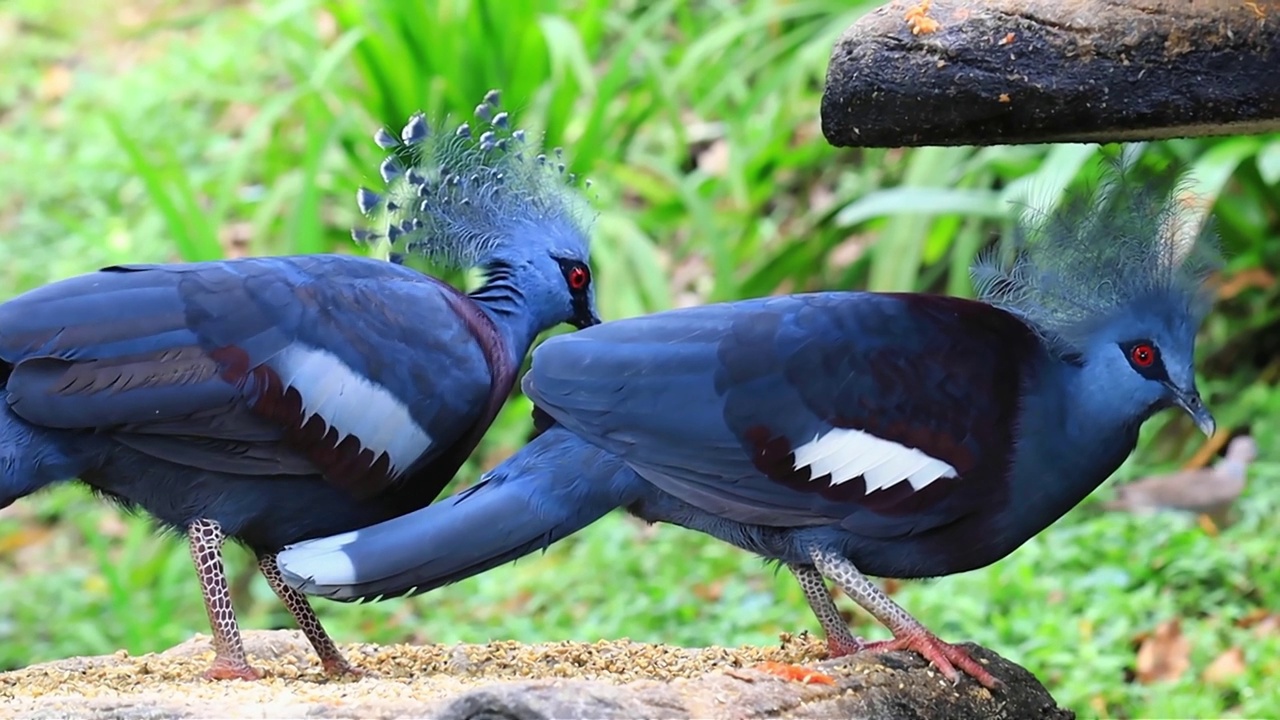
[
  {"x": 973, "y": 543},
  {"x": 263, "y": 512}
]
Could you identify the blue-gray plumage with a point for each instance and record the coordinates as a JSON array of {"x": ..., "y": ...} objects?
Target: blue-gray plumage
[
  {"x": 271, "y": 400},
  {"x": 840, "y": 433}
]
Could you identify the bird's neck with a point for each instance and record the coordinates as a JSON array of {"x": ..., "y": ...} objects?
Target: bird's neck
[
  {"x": 510, "y": 311},
  {"x": 1095, "y": 417},
  {"x": 1071, "y": 439}
]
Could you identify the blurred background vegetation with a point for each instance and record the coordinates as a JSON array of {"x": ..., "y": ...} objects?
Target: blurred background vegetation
[{"x": 157, "y": 130}]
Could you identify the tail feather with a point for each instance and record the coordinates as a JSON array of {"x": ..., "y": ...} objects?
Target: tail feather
[
  {"x": 553, "y": 487},
  {"x": 33, "y": 457}
]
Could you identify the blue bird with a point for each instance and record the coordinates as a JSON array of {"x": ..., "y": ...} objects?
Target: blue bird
[
  {"x": 271, "y": 400},
  {"x": 843, "y": 434}
]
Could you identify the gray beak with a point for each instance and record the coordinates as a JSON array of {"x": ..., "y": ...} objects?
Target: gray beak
[
  {"x": 1190, "y": 401},
  {"x": 584, "y": 320}
]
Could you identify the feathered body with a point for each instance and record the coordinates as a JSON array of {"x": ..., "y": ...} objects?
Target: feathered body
[
  {"x": 840, "y": 433},
  {"x": 271, "y": 400}
]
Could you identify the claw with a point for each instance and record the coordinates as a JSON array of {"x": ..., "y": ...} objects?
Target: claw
[
  {"x": 944, "y": 656},
  {"x": 340, "y": 668},
  {"x": 224, "y": 669},
  {"x": 795, "y": 673},
  {"x": 839, "y": 647}
]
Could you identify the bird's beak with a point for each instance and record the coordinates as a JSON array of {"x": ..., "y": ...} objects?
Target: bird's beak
[
  {"x": 583, "y": 317},
  {"x": 1190, "y": 401}
]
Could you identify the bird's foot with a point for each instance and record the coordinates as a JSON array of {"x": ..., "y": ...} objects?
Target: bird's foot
[
  {"x": 841, "y": 646},
  {"x": 339, "y": 668},
  {"x": 228, "y": 669},
  {"x": 331, "y": 658},
  {"x": 795, "y": 673},
  {"x": 944, "y": 656}
]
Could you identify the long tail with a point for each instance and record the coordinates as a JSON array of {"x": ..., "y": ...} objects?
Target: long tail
[
  {"x": 32, "y": 457},
  {"x": 553, "y": 487}
]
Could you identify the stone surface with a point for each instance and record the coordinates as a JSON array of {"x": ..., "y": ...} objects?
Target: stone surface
[
  {"x": 985, "y": 72},
  {"x": 509, "y": 681}
]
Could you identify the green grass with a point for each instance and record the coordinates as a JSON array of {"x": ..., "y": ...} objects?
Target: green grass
[{"x": 158, "y": 130}]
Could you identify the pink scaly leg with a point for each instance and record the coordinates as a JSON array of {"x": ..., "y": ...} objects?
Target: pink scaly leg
[
  {"x": 840, "y": 641},
  {"x": 330, "y": 656},
  {"x": 229, "y": 663},
  {"x": 908, "y": 633}
]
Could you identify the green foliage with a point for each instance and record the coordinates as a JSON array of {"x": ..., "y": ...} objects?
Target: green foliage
[{"x": 198, "y": 130}]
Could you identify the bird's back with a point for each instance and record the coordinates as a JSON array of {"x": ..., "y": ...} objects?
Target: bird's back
[
  {"x": 888, "y": 418},
  {"x": 258, "y": 392}
]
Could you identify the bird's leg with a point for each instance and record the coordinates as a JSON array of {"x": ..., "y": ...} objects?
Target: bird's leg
[
  {"x": 205, "y": 538},
  {"x": 330, "y": 656},
  {"x": 908, "y": 633},
  {"x": 839, "y": 640}
]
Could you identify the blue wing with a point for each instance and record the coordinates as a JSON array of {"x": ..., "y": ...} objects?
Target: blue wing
[
  {"x": 886, "y": 413},
  {"x": 353, "y": 368}
]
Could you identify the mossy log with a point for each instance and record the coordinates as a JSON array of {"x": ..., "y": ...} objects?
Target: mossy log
[
  {"x": 519, "y": 682},
  {"x": 987, "y": 72}
]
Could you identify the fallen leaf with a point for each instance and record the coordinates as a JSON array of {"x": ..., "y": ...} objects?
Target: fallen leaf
[
  {"x": 23, "y": 537},
  {"x": 1244, "y": 280},
  {"x": 112, "y": 525},
  {"x": 849, "y": 251},
  {"x": 1253, "y": 617},
  {"x": 1224, "y": 667},
  {"x": 1164, "y": 655},
  {"x": 822, "y": 197},
  {"x": 55, "y": 82},
  {"x": 709, "y": 592},
  {"x": 1263, "y": 623},
  {"x": 236, "y": 239},
  {"x": 518, "y": 602},
  {"x": 795, "y": 673},
  {"x": 1085, "y": 628},
  {"x": 714, "y": 160}
]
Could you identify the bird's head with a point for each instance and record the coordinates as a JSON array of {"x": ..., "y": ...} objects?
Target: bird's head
[
  {"x": 1114, "y": 282},
  {"x": 488, "y": 197}
]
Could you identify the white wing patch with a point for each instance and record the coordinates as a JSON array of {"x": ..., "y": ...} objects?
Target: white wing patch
[
  {"x": 845, "y": 454},
  {"x": 352, "y": 404}
]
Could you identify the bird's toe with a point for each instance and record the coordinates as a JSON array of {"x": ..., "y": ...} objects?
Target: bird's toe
[
  {"x": 841, "y": 646},
  {"x": 224, "y": 669},
  {"x": 949, "y": 659},
  {"x": 340, "y": 669}
]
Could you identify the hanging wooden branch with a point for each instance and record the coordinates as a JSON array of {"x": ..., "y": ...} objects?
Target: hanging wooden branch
[{"x": 986, "y": 72}]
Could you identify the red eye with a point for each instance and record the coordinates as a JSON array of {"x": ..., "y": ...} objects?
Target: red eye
[
  {"x": 578, "y": 277},
  {"x": 1143, "y": 355}
]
